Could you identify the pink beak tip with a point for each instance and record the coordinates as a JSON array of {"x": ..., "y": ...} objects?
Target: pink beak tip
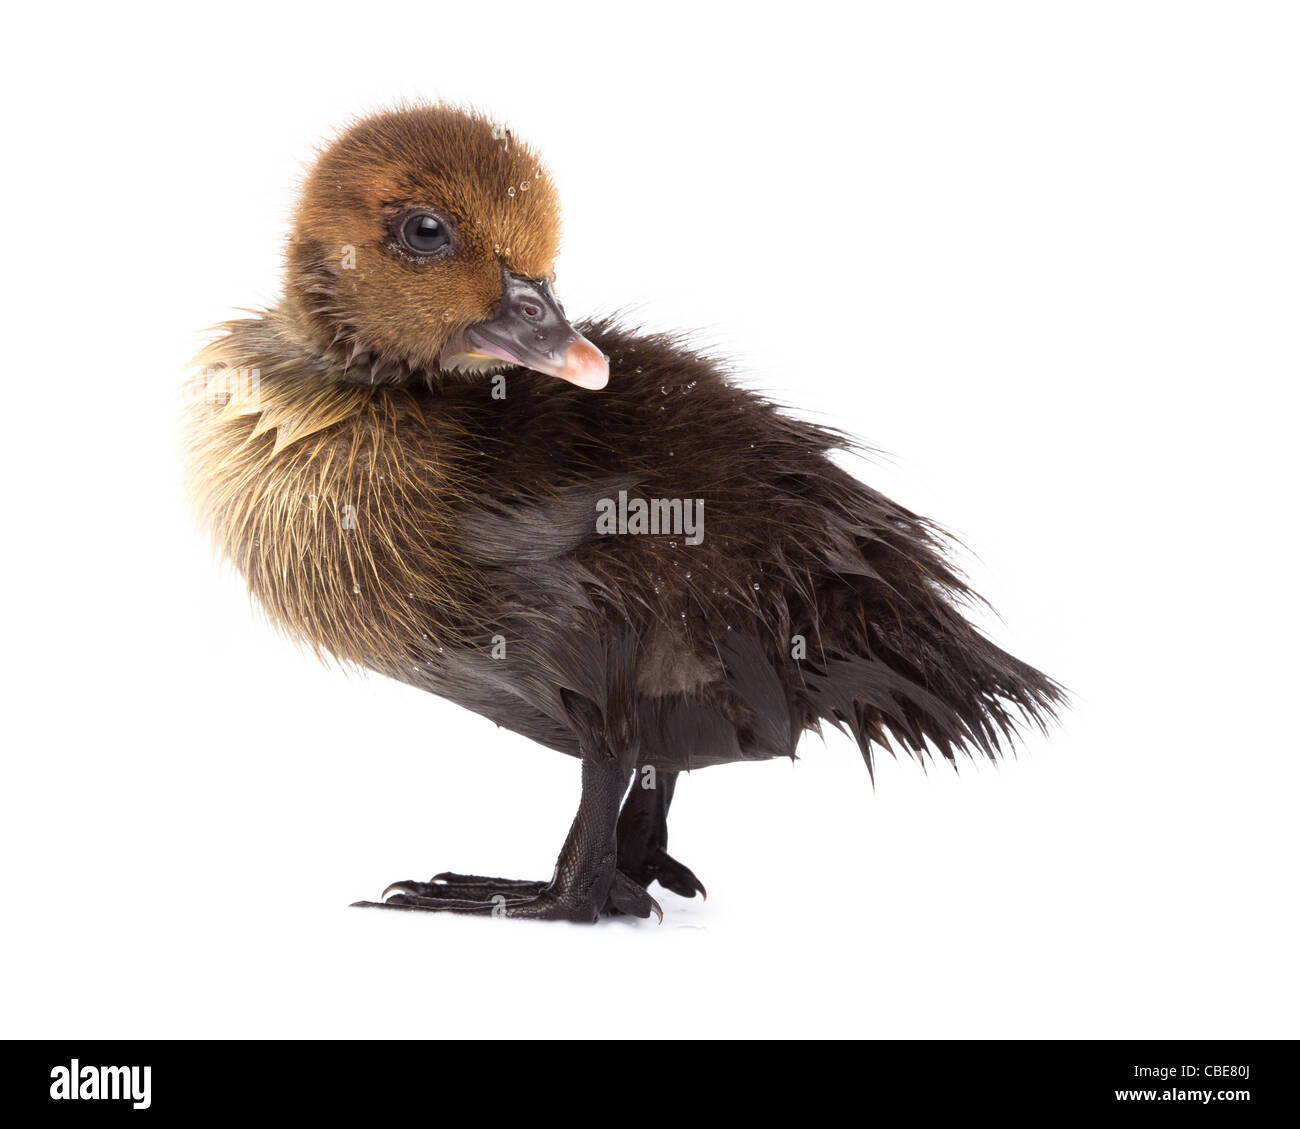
[{"x": 585, "y": 365}]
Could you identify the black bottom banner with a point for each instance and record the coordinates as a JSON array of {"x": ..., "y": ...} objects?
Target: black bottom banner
[{"x": 401, "y": 1080}]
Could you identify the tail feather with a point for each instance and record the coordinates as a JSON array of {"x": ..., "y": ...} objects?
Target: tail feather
[
  {"x": 900, "y": 664},
  {"x": 969, "y": 697}
]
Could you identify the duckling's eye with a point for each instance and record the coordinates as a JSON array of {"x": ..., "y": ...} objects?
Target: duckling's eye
[{"x": 424, "y": 233}]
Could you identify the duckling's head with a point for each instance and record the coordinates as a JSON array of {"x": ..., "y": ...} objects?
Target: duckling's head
[{"x": 425, "y": 242}]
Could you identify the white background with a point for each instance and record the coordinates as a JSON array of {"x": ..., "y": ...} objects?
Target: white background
[{"x": 1045, "y": 255}]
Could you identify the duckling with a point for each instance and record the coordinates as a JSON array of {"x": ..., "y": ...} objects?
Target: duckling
[{"x": 590, "y": 535}]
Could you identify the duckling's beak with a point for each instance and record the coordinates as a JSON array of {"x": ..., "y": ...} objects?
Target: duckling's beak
[{"x": 528, "y": 328}]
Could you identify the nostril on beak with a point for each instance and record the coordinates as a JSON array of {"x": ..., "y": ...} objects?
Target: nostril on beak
[{"x": 530, "y": 310}]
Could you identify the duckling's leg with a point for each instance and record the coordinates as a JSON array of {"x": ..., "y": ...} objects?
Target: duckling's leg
[
  {"x": 586, "y": 879},
  {"x": 642, "y": 852},
  {"x": 643, "y": 837}
]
